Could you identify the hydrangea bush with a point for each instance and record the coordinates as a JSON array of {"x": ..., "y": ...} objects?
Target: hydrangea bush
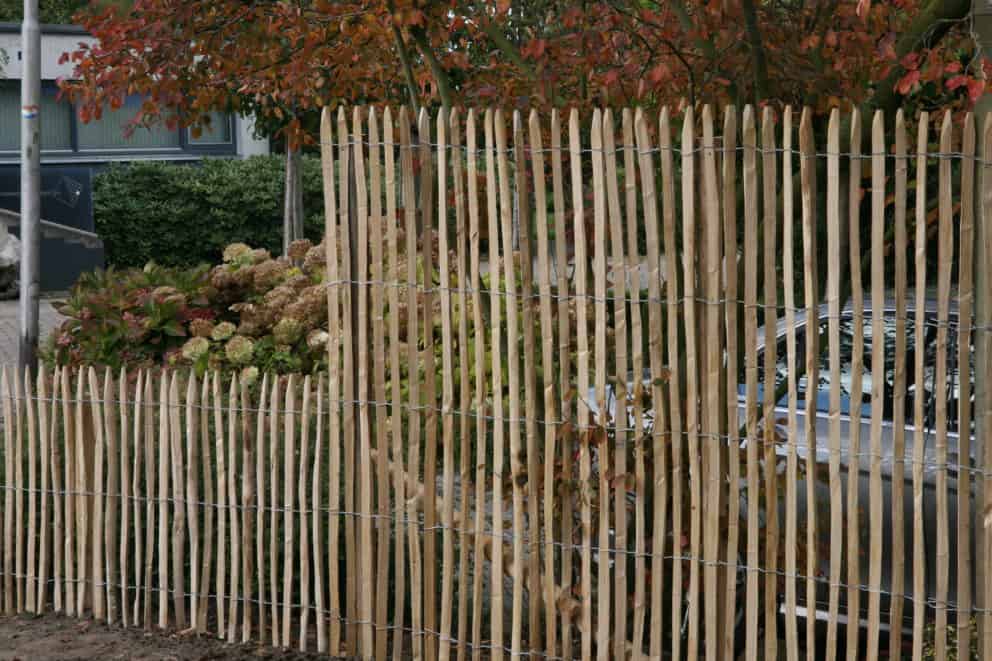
[{"x": 252, "y": 313}]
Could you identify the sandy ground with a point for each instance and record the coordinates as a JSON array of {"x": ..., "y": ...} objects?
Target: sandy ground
[{"x": 51, "y": 637}]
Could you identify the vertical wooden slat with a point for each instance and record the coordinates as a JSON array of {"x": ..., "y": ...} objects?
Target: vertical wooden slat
[
  {"x": 110, "y": 422},
  {"x": 249, "y": 446},
  {"x": 792, "y": 460},
  {"x": 649, "y": 202},
  {"x": 731, "y": 251},
  {"x": 8, "y": 509},
  {"x": 481, "y": 444},
  {"x": 96, "y": 416},
  {"x": 207, "y": 468},
  {"x": 83, "y": 497},
  {"x": 347, "y": 376},
  {"x": 261, "y": 426},
  {"x": 856, "y": 395},
  {"x": 233, "y": 423},
  {"x": 833, "y": 340},
  {"x": 983, "y": 407},
  {"x": 448, "y": 390},
  {"x": 427, "y": 192},
  {"x": 899, "y": 395},
  {"x": 413, "y": 372},
  {"x": 222, "y": 477},
  {"x": 329, "y": 175},
  {"x": 31, "y": 420},
  {"x": 365, "y": 554},
  {"x": 178, "y": 506},
  {"x": 304, "y": 508},
  {"x": 44, "y": 454},
  {"x": 599, "y": 436},
  {"x": 633, "y": 268},
  {"x": 877, "y": 377},
  {"x": 513, "y": 383},
  {"x": 18, "y": 482},
  {"x": 377, "y": 240},
  {"x": 464, "y": 385},
  {"x": 58, "y": 531},
  {"x": 31, "y": 436},
  {"x": 316, "y": 531},
  {"x": 919, "y": 438},
  {"x": 983, "y": 403},
  {"x": 151, "y": 473},
  {"x": 618, "y": 268},
  {"x": 710, "y": 398},
  {"x": 751, "y": 377},
  {"x": 964, "y": 381},
  {"x": 125, "y": 490},
  {"x": 113, "y": 495},
  {"x": 674, "y": 384},
  {"x": 163, "y": 500},
  {"x": 275, "y": 424},
  {"x": 288, "y": 508},
  {"x": 945, "y": 253},
  {"x": 582, "y": 372},
  {"x": 689, "y": 306},
  {"x": 769, "y": 179},
  {"x": 548, "y": 383},
  {"x": 565, "y": 375},
  {"x": 69, "y": 434},
  {"x": 524, "y": 219},
  {"x": 496, "y": 581},
  {"x": 135, "y": 493},
  {"x": 395, "y": 378},
  {"x": 810, "y": 295},
  {"x": 193, "y": 494}
]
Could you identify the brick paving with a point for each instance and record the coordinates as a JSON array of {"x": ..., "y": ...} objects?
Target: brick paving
[{"x": 10, "y": 328}]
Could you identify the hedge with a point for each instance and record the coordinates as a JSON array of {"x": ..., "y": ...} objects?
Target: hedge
[{"x": 184, "y": 215}]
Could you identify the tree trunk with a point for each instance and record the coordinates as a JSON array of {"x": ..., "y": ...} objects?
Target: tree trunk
[{"x": 292, "y": 223}]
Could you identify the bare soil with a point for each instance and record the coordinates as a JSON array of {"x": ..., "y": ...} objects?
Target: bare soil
[{"x": 51, "y": 637}]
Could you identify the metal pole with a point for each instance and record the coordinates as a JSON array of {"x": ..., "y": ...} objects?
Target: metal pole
[{"x": 30, "y": 184}]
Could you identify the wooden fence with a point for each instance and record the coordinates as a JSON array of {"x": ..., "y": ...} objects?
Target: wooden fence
[{"x": 521, "y": 450}]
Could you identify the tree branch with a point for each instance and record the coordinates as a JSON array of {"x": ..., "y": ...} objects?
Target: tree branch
[
  {"x": 759, "y": 64},
  {"x": 411, "y": 83},
  {"x": 437, "y": 70}
]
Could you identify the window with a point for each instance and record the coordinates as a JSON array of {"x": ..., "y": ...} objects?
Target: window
[
  {"x": 61, "y": 131},
  {"x": 56, "y": 118},
  {"x": 108, "y": 132},
  {"x": 217, "y": 132},
  {"x": 927, "y": 389}
]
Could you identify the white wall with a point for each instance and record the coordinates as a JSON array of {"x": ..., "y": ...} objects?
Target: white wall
[
  {"x": 52, "y": 47},
  {"x": 248, "y": 145}
]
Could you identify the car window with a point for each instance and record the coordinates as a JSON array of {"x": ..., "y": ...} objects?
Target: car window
[{"x": 862, "y": 395}]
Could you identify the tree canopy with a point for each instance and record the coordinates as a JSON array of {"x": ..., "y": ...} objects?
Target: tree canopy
[
  {"x": 283, "y": 59},
  {"x": 50, "y": 11}
]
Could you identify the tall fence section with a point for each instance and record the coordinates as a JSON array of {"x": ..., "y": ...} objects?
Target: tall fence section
[{"x": 591, "y": 390}]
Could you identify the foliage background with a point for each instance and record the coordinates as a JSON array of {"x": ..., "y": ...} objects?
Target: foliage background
[{"x": 184, "y": 215}]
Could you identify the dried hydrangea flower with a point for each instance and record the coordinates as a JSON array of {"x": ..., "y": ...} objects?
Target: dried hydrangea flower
[
  {"x": 223, "y": 330},
  {"x": 249, "y": 375},
  {"x": 201, "y": 327},
  {"x": 287, "y": 331},
  {"x": 298, "y": 249},
  {"x": 260, "y": 255},
  {"x": 235, "y": 251},
  {"x": 195, "y": 347},
  {"x": 239, "y": 350},
  {"x": 317, "y": 339}
]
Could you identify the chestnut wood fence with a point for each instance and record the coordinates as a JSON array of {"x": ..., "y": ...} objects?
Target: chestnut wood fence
[{"x": 549, "y": 424}]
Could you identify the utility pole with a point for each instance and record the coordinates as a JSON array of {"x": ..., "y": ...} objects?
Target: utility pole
[{"x": 30, "y": 184}]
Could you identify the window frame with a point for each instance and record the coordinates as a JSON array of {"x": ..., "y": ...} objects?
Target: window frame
[{"x": 185, "y": 146}]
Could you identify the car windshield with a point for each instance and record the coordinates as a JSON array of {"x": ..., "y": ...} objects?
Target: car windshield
[{"x": 850, "y": 392}]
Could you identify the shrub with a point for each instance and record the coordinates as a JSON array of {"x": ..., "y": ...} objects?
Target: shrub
[
  {"x": 251, "y": 311},
  {"x": 184, "y": 215}
]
